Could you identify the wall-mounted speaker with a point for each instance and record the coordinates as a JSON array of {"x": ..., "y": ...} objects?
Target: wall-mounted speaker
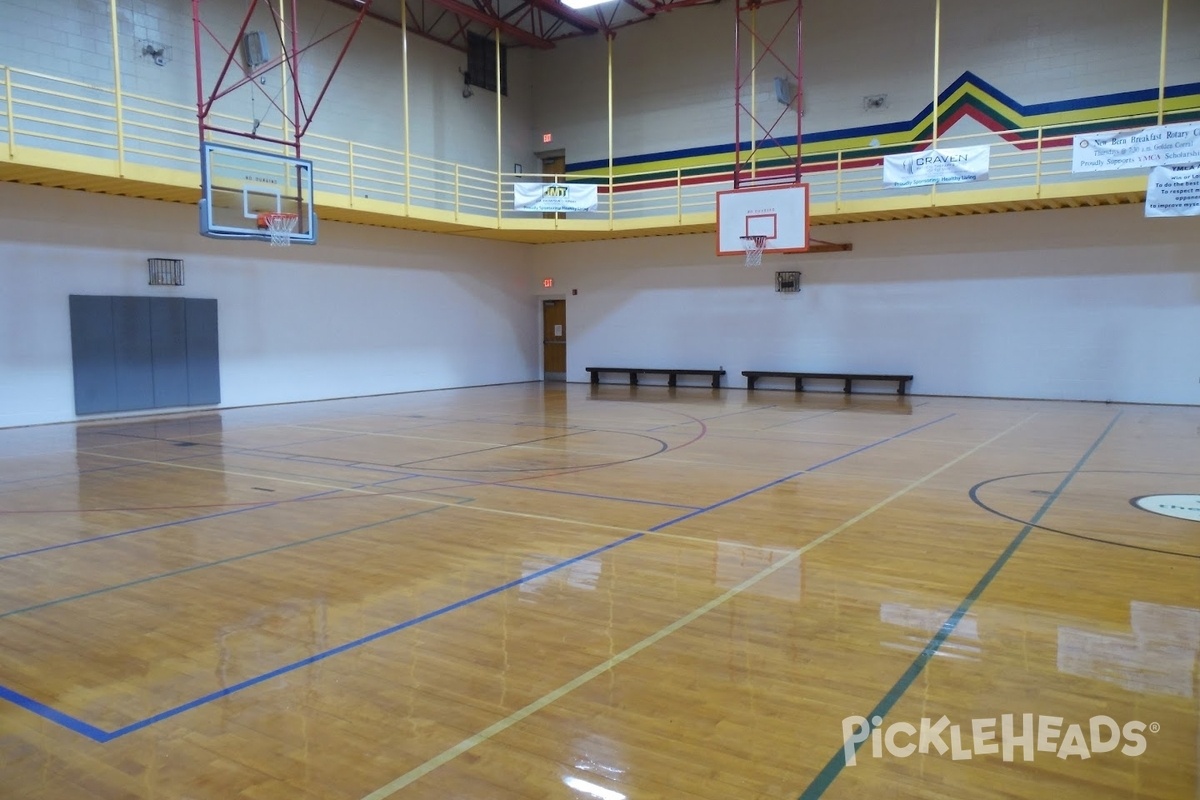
[
  {"x": 254, "y": 50},
  {"x": 784, "y": 92}
]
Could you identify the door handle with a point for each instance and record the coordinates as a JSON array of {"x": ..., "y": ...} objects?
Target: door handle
[{"x": 554, "y": 341}]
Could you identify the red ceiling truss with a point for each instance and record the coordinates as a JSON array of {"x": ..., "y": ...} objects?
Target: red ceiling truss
[
  {"x": 214, "y": 85},
  {"x": 521, "y": 23}
]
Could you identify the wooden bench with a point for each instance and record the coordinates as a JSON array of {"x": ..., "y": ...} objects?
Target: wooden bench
[
  {"x": 671, "y": 374},
  {"x": 752, "y": 376}
]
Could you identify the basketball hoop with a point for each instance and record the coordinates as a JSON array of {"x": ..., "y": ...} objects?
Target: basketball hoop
[
  {"x": 280, "y": 225},
  {"x": 754, "y": 249}
]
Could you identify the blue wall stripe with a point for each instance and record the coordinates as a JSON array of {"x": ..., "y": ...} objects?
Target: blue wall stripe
[
  {"x": 900, "y": 126},
  {"x": 837, "y": 763}
]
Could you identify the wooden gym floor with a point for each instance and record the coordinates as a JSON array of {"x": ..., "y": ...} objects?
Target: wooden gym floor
[{"x": 565, "y": 592}]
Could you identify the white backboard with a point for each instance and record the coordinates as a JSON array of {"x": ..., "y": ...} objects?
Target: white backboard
[{"x": 780, "y": 213}]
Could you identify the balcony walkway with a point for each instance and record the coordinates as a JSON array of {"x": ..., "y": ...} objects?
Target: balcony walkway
[{"x": 65, "y": 133}]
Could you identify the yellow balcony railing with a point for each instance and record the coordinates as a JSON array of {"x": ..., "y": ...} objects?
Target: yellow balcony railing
[{"x": 57, "y": 123}]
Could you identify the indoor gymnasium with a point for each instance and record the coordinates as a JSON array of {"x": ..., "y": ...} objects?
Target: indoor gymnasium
[{"x": 618, "y": 400}]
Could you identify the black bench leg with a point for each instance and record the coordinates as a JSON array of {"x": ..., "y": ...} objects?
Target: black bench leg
[
  {"x": 847, "y": 389},
  {"x": 595, "y": 377},
  {"x": 670, "y": 379},
  {"x": 633, "y": 379},
  {"x": 903, "y": 387},
  {"x": 716, "y": 381},
  {"x": 799, "y": 384},
  {"x": 750, "y": 379}
]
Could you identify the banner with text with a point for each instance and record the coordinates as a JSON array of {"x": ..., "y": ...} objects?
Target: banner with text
[
  {"x": 1146, "y": 147},
  {"x": 1173, "y": 192},
  {"x": 948, "y": 165},
  {"x": 554, "y": 197}
]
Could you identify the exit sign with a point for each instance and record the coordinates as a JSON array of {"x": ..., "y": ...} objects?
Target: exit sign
[
  {"x": 548, "y": 283},
  {"x": 547, "y": 138}
]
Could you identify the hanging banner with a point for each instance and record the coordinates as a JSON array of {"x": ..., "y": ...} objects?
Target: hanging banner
[
  {"x": 1145, "y": 147},
  {"x": 554, "y": 197},
  {"x": 1174, "y": 192},
  {"x": 948, "y": 165}
]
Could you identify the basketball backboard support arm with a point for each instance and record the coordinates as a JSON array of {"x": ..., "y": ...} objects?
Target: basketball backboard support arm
[
  {"x": 772, "y": 134},
  {"x": 228, "y": 79}
]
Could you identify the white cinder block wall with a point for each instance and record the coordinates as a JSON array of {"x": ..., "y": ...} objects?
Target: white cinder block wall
[
  {"x": 364, "y": 104},
  {"x": 1082, "y": 304},
  {"x": 368, "y": 311}
]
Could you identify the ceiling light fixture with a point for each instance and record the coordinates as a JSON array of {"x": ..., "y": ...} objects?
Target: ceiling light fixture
[{"x": 578, "y": 4}]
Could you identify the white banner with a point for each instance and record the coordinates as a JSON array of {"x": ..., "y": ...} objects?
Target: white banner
[
  {"x": 948, "y": 165},
  {"x": 554, "y": 197},
  {"x": 1174, "y": 192},
  {"x": 1145, "y": 147}
]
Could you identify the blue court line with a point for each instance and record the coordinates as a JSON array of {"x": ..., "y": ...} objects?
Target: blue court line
[
  {"x": 493, "y": 447},
  {"x": 796, "y": 474},
  {"x": 54, "y": 715},
  {"x": 502, "y": 485},
  {"x": 228, "y": 560},
  {"x": 103, "y": 469},
  {"x": 804, "y": 419},
  {"x": 186, "y": 520},
  {"x": 221, "y": 448},
  {"x": 835, "y": 765},
  {"x": 99, "y": 735},
  {"x": 590, "y": 496},
  {"x": 386, "y": 470},
  {"x": 718, "y": 416},
  {"x": 102, "y": 736}
]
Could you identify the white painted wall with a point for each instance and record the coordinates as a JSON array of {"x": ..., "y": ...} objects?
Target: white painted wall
[
  {"x": 673, "y": 77},
  {"x": 367, "y": 311},
  {"x": 1086, "y": 304}
]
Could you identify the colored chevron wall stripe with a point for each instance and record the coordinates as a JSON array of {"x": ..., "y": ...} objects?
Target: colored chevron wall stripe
[{"x": 969, "y": 96}]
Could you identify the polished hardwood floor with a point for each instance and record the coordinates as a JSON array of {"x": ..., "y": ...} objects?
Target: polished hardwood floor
[{"x": 612, "y": 592}]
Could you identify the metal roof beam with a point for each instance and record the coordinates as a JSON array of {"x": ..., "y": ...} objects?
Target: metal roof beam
[{"x": 520, "y": 34}]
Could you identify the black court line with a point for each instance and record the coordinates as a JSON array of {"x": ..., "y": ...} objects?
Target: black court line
[
  {"x": 975, "y": 498},
  {"x": 833, "y": 768}
]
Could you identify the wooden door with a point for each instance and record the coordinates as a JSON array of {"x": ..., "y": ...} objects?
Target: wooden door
[
  {"x": 554, "y": 339},
  {"x": 552, "y": 166}
]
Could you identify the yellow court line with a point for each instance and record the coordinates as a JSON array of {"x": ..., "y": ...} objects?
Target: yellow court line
[
  {"x": 537, "y": 705},
  {"x": 395, "y": 495}
]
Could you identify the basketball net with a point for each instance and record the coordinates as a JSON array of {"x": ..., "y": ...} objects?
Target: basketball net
[
  {"x": 281, "y": 226},
  {"x": 754, "y": 249}
]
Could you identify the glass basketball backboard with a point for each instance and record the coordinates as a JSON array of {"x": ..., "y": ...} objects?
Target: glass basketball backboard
[{"x": 242, "y": 189}]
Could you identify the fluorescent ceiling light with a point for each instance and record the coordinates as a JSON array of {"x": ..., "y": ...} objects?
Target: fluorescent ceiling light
[
  {"x": 578, "y": 4},
  {"x": 589, "y": 788}
]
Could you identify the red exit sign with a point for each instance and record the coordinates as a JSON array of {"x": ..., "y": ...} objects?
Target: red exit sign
[
  {"x": 548, "y": 283},
  {"x": 547, "y": 138}
]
